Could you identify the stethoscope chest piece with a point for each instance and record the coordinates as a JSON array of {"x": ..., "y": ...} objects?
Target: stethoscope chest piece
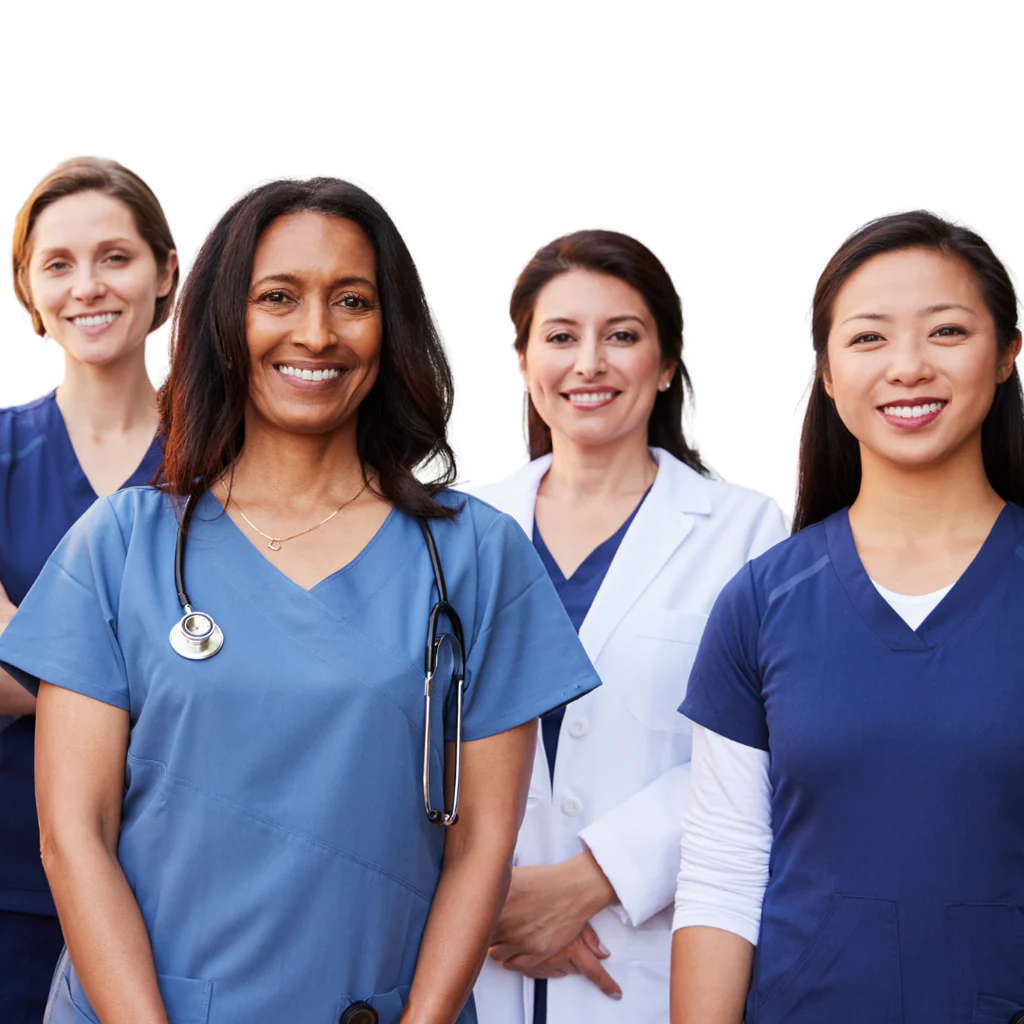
[{"x": 196, "y": 636}]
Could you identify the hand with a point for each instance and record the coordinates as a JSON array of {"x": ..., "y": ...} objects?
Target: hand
[
  {"x": 546, "y": 909},
  {"x": 582, "y": 956},
  {"x": 7, "y": 609}
]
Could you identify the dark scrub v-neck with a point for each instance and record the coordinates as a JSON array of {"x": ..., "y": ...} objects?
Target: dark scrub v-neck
[
  {"x": 577, "y": 593},
  {"x": 43, "y": 491},
  {"x": 896, "y": 893}
]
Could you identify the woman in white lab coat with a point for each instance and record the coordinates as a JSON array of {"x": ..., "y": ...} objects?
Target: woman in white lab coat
[{"x": 638, "y": 540}]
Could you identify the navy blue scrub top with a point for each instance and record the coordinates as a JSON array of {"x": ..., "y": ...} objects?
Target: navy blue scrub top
[
  {"x": 896, "y": 890},
  {"x": 43, "y": 491}
]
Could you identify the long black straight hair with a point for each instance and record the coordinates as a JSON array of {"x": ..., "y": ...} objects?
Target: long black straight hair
[
  {"x": 621, "y": 256},
  {"x": 830, "y": 470},
  {"x": 402, "y": 422}
]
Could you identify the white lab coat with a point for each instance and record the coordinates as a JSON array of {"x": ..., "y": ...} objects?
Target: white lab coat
[{"x": 622, "y": 773}]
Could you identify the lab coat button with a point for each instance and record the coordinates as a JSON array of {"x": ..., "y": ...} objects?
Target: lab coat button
[
  {"x": 359, "y": 1013},
  {"x": 577, "y": 728},
  {"x": 572, "y": 806}
]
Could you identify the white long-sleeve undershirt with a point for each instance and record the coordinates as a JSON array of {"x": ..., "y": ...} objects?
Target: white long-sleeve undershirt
[{"x": 727, "y": 839}]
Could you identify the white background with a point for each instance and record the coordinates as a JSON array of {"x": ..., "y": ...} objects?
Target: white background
[{"x": 741, "y": 142}]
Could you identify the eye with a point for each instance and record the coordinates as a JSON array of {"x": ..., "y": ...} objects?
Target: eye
[
  {"x": 625, "y": 337},
  {"x": 560, "y": 338},
  {"x": 58, "y": 265},
  {"x": 949, "y": 331},
  {"x": 275, "y": 297},
  {"x": 117, "y": 257},
  {"x": 353, "y": 300},
  {"x": 866, "y": 339}
]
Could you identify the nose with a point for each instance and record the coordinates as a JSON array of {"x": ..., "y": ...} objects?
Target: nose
[
  {"x": 314, "y": 330},
  {"x": 87, "y": 286},
  {"x": 590, "y": 361},
  {"x": 908, "y": 363}
]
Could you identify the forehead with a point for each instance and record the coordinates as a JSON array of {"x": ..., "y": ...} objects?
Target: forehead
[
  {"x": 906, "y": 283},
  {"x": 83, "y": 219},
  {"x": 585, "y": 294},
  {"x": 314, "y": 243}
]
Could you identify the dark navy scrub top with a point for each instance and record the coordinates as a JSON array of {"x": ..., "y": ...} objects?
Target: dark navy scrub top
[
  {"x": 896, "y": 892},
  {"x": 577, "y": 594},
  {"x": 43, "y": 491}
]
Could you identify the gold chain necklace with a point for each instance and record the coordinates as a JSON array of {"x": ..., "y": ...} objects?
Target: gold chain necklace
[{"x": 274, "y": 543}]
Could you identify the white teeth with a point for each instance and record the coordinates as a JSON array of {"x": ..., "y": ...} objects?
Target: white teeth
[
  {"x": 95, "y": 320},
  {"x": 591, "y": 397},
  {"x": 912, "y": 412},
  {"x": 295, "y": 371}
]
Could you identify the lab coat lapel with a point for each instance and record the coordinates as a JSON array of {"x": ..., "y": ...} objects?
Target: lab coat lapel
[
  {"x": 661, "y": 525},
  {"x": 517, "y": 494}
]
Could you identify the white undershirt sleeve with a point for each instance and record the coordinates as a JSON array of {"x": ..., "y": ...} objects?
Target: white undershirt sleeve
[{"x": 727, "y": 837}]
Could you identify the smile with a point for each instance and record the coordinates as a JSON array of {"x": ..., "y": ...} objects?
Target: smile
[
  {"x": 301, "y": 373},
  {"x": 93, "y": 321},
  {"x": 913, "y": 414},
  {"x": 590, "y": 399}
]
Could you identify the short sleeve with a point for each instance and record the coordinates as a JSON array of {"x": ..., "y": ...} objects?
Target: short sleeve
[
  {"x": 724, "y": 690},
  {"x": 524, "y": 658},
  {"x": 65, "y": 631}
]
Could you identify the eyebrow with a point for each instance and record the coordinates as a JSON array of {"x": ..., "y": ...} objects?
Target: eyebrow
[
  {"x": 106, "y": 243},
  {"x": 611, "y": 320},
  {"x": 940, "y": 308},
  {"x": 294, "y": 279}
]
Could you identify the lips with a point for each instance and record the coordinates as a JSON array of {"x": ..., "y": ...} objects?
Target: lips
[
  {"x": 911, "y": 414},
  {"x": 590, "y": 398}
]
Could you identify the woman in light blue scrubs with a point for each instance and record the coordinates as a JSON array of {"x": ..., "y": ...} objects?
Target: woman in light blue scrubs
[
  {"x": 244, "y": 838},
  {"x": 96, "y": 269}
]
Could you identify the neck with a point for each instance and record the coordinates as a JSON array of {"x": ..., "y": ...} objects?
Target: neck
[
  {"x": 298, "y": 471},
  {"x": 925, "y": 502},
  {"x": 623, "y": 466},
  {"x": 112, "y": 399}
]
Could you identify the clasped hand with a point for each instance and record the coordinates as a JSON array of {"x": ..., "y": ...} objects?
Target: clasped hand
[{"x": 544, "y": 929}]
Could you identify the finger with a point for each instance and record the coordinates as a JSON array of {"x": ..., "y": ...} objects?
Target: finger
[
  {"x": 545, "y": 970},
  {"x": 591, "y": 968},
  {"x": 522, "y": 962},
  {"x": 589, "y": 937}
]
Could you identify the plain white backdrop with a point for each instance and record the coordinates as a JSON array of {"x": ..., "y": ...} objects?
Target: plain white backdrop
[{"x": 740, "y": 141}]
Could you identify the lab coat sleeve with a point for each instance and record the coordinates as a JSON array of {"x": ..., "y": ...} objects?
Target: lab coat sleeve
[{"x": 636, "y": 845}]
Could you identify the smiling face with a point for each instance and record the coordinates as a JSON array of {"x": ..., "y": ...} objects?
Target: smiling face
[
  {"x": 313, "y": 324},
  {"x": 93, "y": 278},
  {"x": 592, "y": 363},
  {"x": 913, "y": 359}
]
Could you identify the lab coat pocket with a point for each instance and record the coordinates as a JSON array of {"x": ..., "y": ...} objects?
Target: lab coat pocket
[
  {"x": 388, "y": 1007},
  {"x": 989, "y": 1010},
  {"x": 985, "y": 951},
  {"x": 186, "y": 1000},
  {"x": 660, "y": 662},
  {"x": 848, "y": 973}
]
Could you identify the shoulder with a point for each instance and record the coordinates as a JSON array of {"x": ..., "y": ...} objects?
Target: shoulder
[
  {"x": 504, "y": 493},
  {"x": 798, "y": 559},
  {"x": 476, "y": 520},
  {"x": 21, "y": 424},
  {"x": 710, "y": 494},
  {"x": 128, "y": 511}
]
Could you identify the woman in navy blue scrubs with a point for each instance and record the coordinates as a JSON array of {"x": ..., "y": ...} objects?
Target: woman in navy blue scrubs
[
  {"x": 857, "y": 813},
  {"x": 96, "y": 268}
]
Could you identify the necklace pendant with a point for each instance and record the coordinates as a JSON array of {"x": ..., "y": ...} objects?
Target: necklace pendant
[{"x": 275, "y": 544}]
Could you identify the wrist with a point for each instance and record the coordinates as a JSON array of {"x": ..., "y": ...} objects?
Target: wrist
[{"x": 595, "y": 892}]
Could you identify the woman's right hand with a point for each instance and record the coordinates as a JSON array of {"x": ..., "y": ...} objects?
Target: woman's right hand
[{"x": 582, "y": 956}]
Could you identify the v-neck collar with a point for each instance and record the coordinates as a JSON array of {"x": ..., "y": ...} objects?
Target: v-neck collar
[
  {"x": 209, "y": 509},
  {"x": 70, "y": 469},
  {"x": 949, "y": 614}
]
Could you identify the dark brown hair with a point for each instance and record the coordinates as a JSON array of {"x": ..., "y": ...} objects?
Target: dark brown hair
[
  {"x": 402, "y": 422},
  {"x": 829, "y": 474},
  {"x": 92, "y": 174},
  {"x": 609, "y": 252}
]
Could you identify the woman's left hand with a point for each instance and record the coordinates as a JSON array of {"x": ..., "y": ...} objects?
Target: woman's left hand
[{"x": 546, "y": 908}]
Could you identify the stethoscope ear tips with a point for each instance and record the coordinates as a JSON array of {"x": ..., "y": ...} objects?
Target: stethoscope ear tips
[{"x": 196, "y": 636}]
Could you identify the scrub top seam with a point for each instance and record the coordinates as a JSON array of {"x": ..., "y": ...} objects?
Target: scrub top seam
[{"x": 279, "y": 826}]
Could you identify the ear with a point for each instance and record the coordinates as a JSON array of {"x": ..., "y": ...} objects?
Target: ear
[
  {"x": 667, "y": 372},
  {"x": 826, "y": 380},
  {"x": 1006, "y": 360},
  {"x": 523, "y": 371},
  {"x": 167, "y": 278}
]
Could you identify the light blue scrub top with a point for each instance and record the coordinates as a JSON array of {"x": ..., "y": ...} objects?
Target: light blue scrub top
[{"x": 273, "y": 829}]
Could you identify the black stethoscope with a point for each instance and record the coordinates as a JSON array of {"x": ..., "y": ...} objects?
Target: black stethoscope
[{"x": 197, "y": 637}]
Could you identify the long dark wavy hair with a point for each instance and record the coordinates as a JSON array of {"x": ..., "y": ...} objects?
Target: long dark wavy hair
[
  {"x": 829, "y": 474},
  {"x": 609, "y": 252},
  {"x": 402, "y": 422}
]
